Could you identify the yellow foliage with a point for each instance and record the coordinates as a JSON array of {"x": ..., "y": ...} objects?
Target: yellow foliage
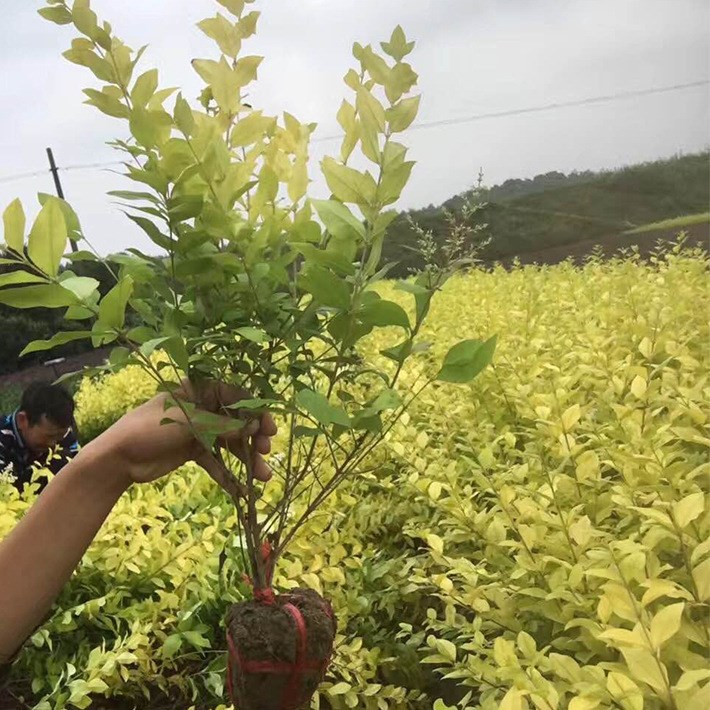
[{"x": 540, "y": 536}]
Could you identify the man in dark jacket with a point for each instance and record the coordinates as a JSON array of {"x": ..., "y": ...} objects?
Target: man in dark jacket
[{"x": 38, "y": 434}]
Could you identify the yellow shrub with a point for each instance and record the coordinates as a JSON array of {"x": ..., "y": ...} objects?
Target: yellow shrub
[
  {"x": 101, "y": 401},
  {"x": 536, "y": 539}
]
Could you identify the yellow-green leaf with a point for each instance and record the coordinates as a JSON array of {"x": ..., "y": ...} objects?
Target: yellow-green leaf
[
  {"x": 112, "y": 309},
  {"x": 13, "y": 219},
  {"x": 84, "y": 17},
  {"x": 656, "y": 588},
  {"x": 66, "y": 336},
  {"x": 145, "y": 87},
  {"x": 691, "y": 679},
  {"x": 570, "y": 417},
  {"x": 686, "y": 510},
  {"x": 375, "y": 65},
  {"x": 526, "y": 643},
  {"x": 106, "y": 103},
  {"x": 587, "y": 464},
  {"x": 435, "y": 490},
  {"x": 393, "y": 182},
  {"x": 646, "y": 347},
  {"x": 645, "y": 667},
  {"x": 624, "y": 691},
  {"x": 581, "y": 530},
  {"x": 221, "y": 80},
  {"x": 397, "y": 47},
  {"x": 81, "y": 286},
  {"x": 298, "y": 184},
  {"x": 446, "y": 649},
  {"x": 401, "y": 79},
  {"x": 37, "y": 296},
  {"x": 57, "y": 14},
  {"x": 245, "y": 70},
  {"x": 512, "y": 700},
  {"x": 638, "y": 386},
  {"x": 339, "y": 220},
  {"x": 402, "y": 114},
  {"x": 184, "y": 119},
  {"x": 223, "y": 32},
  {"x": 13, "y": 278},
  {"x": 339, "y": 688},
  {"x": 700, "y": 699},
  {"x": 48, "y": 238},
  {"x": 583, "y": 702},
  {"x": 624, "y": 637},
  {"x": 701, "y": 577},
  {"x": 347, "y": 184},
  {"x": 370, "y": 110},
  {"x": 150, "y": 128},
  {"x": 435, "y": 542},
  {"x": 246, "y": 26},
  {"x": 504, "y": 652},
  {"x": 251, "y": 128}
]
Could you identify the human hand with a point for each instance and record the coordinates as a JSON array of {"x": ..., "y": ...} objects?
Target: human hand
[{"x": 152, "y": 449}]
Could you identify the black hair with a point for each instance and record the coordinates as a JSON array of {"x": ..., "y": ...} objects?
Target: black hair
[{"x": 41, "y": 398}]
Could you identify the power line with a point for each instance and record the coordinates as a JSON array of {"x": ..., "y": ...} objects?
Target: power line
[
  {"x": 90, "y": 166},
  {"x": 545, "y": 107},
  {"x": 66, "y": 168},
  {"x": 22, "y": 176},
  {"x": 438, "y": 123}
]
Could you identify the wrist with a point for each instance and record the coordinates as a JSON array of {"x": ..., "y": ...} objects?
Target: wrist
[{"x": 104, "y": 465}]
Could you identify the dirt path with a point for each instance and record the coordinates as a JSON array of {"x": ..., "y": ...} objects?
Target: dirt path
[{"x": 45, "y": 373}]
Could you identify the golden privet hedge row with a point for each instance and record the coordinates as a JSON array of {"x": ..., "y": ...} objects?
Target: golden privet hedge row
[{"x": 539, "y": 539}]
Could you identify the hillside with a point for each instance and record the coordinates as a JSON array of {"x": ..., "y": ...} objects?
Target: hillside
[{"x": 554, "y": 209}]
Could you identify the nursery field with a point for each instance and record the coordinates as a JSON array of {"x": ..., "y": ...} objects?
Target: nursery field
[{"x": 537, "y": 539}]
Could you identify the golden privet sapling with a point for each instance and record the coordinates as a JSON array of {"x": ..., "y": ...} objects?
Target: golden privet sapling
[{"x": 252, "y": 283}]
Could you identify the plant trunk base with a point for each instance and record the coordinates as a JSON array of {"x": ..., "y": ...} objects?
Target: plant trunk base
[{"x": 279, "y": 652}]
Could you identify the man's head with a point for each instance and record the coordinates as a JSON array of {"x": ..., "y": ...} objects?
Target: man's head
[{"x": 45, "y": 415}]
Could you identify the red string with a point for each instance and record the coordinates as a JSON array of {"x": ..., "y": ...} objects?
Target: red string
[
  {"x": 232, "y": 653},
  {"x": 265, "y": 596},
  {"x": 291, "y": 701}
]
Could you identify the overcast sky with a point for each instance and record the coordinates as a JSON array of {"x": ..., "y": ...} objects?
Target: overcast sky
[{"x": 473, "y": 57}]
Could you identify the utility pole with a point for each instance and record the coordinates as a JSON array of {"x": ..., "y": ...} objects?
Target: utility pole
[{"x": 58, "y": 186}]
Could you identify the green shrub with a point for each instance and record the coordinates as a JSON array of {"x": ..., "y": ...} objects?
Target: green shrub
[{"x": 9, "y": 398}]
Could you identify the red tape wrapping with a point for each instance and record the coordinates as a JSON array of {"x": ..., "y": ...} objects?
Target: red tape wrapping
[{"x": 291, "y": 699}]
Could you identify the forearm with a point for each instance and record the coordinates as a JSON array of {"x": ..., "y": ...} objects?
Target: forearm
[{"x": 40, "y": 554}]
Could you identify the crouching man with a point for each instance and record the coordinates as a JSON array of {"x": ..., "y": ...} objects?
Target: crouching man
[{"x": 38, "y": 434}]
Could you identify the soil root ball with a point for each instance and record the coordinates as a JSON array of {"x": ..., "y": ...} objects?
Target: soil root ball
[{"x": 279, "y": 652}]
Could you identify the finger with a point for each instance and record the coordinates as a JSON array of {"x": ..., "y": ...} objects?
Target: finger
[
  {"x": 268, "y": 425},
  {"x": 262, "y": 444},
  {"x": 235, "y": 439},
  {"x": 261, "y": 469}
]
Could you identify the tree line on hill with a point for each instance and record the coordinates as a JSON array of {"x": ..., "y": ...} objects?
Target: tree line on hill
[
  {"x": 553, "y": 209},
  {"x": 521, "y": 215}
]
